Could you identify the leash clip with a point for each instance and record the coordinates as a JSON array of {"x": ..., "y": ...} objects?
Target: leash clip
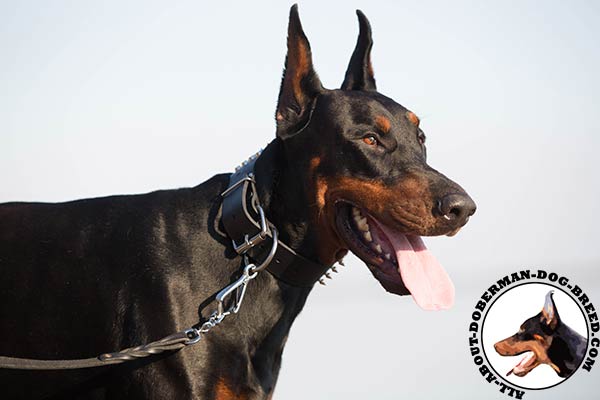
[{"x": 238, "y": 289}]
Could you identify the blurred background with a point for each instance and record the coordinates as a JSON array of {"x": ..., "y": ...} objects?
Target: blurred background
[{"x": 100, "y": 98}]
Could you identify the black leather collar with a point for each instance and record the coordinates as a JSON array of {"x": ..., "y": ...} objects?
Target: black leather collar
[{"x": 241, "y": 219}]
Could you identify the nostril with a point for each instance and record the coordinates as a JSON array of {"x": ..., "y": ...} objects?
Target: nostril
[{"x": 455, "y": 212}]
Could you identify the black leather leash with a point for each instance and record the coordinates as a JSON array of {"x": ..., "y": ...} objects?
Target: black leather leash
[
  {"x": 175, "y": 341},
  {"x": 245, "y": 223}
]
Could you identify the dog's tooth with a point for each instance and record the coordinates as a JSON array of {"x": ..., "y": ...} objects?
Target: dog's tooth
[
  {"x": 367, "y": 236},
  {"x": 355, "y": 212},
  {"x": 377, "y": 247},
  {"x": 362, "y": 224},
  {"x": 387, "y": 256}
]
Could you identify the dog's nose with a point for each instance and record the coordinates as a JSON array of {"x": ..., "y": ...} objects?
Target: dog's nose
[{"x": 456, "y": 208}]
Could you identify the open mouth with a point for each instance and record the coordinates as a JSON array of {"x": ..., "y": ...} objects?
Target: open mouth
[
  {"x": 524, "y": 365},
  {"x": 399, "y": 261}
]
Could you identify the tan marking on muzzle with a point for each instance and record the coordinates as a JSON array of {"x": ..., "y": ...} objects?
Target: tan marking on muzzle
[
  {"x": 407, "y": 203},
  {"x": 511, "y": 346}
]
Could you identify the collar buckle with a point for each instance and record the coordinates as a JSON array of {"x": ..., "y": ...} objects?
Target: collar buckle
[{"x": 257, "y": 239}]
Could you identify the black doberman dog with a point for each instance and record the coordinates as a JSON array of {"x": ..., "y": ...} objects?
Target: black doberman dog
[
  {"x": 346, "y": 171},
  {"x": 545, "y": 339}
]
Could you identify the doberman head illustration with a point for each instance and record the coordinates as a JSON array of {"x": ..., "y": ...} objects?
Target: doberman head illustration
[{"x": 544, "y": 339}]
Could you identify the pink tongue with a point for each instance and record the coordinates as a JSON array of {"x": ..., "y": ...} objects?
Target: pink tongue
[
  {"x": 425, "y": 278},
  {"x": 523, "y": 363}
]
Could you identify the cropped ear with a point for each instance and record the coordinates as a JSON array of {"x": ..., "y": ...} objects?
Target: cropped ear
[
  {"x": 549, "y": 313},
  {"x": 300, "y": 84},
  {"x": 359, "y": 75}
]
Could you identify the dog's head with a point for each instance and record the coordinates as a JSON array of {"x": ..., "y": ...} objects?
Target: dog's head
[
  {"x": 533, "y": 340},
  {"x": 364, "y": 164}
]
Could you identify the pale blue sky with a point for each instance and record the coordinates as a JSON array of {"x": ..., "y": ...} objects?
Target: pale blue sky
[{"x": 99, "y": 98}]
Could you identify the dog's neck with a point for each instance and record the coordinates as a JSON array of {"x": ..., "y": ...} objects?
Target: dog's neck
[
  {"x": 270, "y": 306},
  {"x": 282, "y": 188},
  {"x": 567, "y": 349}
]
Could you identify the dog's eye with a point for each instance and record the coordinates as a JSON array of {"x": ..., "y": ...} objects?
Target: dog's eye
[
  {"x": 371, "y": 140},
  {"x": 421, "y": 137}
]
